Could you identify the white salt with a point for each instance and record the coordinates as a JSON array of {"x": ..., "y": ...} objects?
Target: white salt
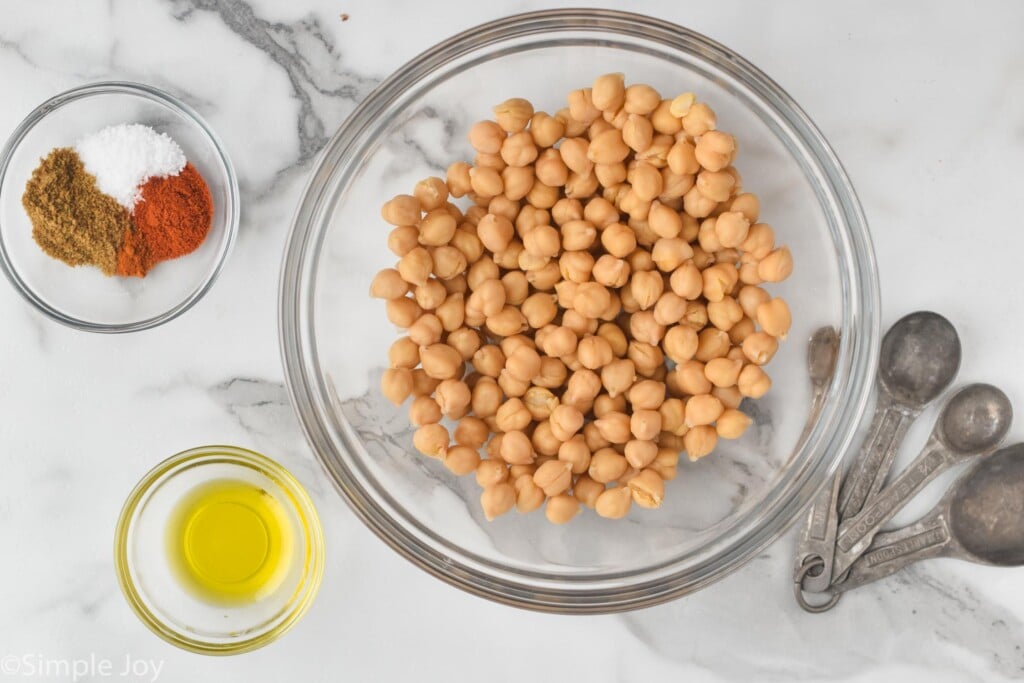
[{"x": 125, "y": 156}]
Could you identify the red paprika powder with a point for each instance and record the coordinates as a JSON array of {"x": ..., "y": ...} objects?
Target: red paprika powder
[{"x": 171, "y": 219}]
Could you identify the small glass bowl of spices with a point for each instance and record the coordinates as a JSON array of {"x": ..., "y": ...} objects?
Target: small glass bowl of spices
[
  {"x": 118, "y": 207},
  {"x": 219, "y": 550}
]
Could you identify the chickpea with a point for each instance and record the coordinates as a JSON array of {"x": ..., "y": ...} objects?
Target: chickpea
[
  {"x": 719, "y": 280},
  {"x": 546, "y": 129},
  {"x": 732, "y": 423},
  {"x": 518, "y": 181},
  {"x": 673, "y": 416},
  {"x": 516, "y": 448},
  {"x": 753, "y": 382},
  {"x": 687, "y": 281},
  {"x": 427, "y": 330},
  {"x": 388, "y": 284},
  {"x": 691, "y": 378},
  {"x": 607, "y": 147},
  {"x": 449, "y": 262},
  {"x": 576, "y": 266},
  {"x": 576, "y": 453},
  {"x": 586, "y": 490},
  {"x": 729, "y": 396},
  {"x": 715, "y": 150},
  {"x": 619, "y": 240},
  {"x": 430, "y": 294},
  {"x": 666, "y": 463},
  {"x": 415, "y": 266},
  {"x": 702, "y": 409},
  {"x": 431, "y": 440},
  {"x": 540, "y": 402},
  {"x": 512, "y": 415},
  {"x": 457, "y": 179},
  {"x": 608, "y": 92},
  {"x": 403, "y": 312},
  {"x": 618, "y": 376},
  {"x": 513, "y": 114},
  {"x": 486, "y": 137},
  {"x": 497, "y": 499},
  {"x": 595, "y": 441},
  {"x": 640, "y": 454},
  {"x": 741, "y": 330},
  {"x": 776, "y": 266},
  {"x": 553, "y": 477},
  {"x": 647, "y": 287},
  {"x": 670, "y": 253},
  {"x": 610, "y": 174},
  {"x": 472, "y": 432},
  {"x": 431, "y": 192},
  {"x": 403, "y": 239},
  {"x": 578, "y": 235},
  {"x": 402, "y": 209},
  {"x": 483, "y": 270},
  {"x": 519, "y": 149},
  {"x": 664, "y": 121},
  {"x": 550, "y": 169},
  {"x": 404, "y": 353},
  {"x": 495, "y": 232},
  {"x": 682, "y": 159},
  {"x": 489, "y": 360},
  {"x": 723, "y": 372},
  {"x": 638, "y": 134},
  {"x": 697, "y": 205},
  {"x": 641, "y": 99},
  {"x": 508, "y": 322},
  {"x": 396, "y": 384},
  {"x": 542, "y": 240},
  {"x": 493, "y": 470},
  {"x": 647, "y": 488},
  {"x": 461, "y": 460},
  {"x": 574, "y": 154},
  {"x": 680, "y": 106},
  {"x": 751, "y": 298},
  {"x": 646, "y": 357},
  {"x": 553, "y": 373},
  {"x": 582, "y": 388},
  {"x": 529, "y": 497},
  {"x": 725, "y": 313},
  {"x": 700, "y": 441},
  {"x": 699, "y": 120},
  {"x": 607, "y": 465},
  {"x": 581, "y": 106},
  {"x": 674, "y": 186},
  {"x": 580, "y": 324},
  {"x": 591, "y": 299},
  {"x": 615, "y": 337},
  {"x": 512, "y": 387},
  {"x": 614, "y": 503},
  {"x": 732, "y": 229},
  {"x": 759, "y": 347},
  {"x": 614, "y": 426},
  {"x": 646, "y": 395},
  {"x": 486, "y": 398},
  {"x": 523, "y": 364},
  {"x": 561, "y": 508},
  {"x": 566, "y": 420},
  {"x": 664, "y": 221},
  {"x": 748, "y": 205},
  {"x": 453, "y": 396},
  {"x": 605, "y": 404},
  {"x": 437, "y": 228},
  {"x": 423, "y": 384},
  {"x": 441, "y": 361},
  {"x": 594, "y": 352},
  {"x": 712, "y": 343},
  {"x": 545, "y": 278},
  {"x": 544, "y": 441},
  {"x": 516, "y": 287},
  {"x": 645, "y": 328},
  {"x": 717, "y": 186},
  {"x": 774, "y": 318}
]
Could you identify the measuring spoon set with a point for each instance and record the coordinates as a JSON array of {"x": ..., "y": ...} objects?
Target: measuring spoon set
[{"x": 981, "y": 517}]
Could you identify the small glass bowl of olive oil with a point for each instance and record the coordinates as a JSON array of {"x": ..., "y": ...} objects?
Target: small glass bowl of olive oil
[{"x": 219, "y": 550}]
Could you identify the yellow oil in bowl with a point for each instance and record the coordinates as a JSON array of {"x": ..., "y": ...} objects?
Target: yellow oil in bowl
[{"x": 230, "y": 542}]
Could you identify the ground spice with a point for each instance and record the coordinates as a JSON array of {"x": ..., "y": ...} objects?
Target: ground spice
[
  {"x": 72, "y": 220},
  {"x": 172, "y": 219}
]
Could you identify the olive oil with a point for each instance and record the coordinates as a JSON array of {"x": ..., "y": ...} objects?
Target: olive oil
[{"x": 230, "y": 542}]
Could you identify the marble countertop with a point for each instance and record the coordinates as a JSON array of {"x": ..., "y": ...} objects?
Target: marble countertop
[{"x": 924, "y": 107}]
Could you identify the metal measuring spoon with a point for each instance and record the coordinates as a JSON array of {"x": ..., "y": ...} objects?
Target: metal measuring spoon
[
  {"x": 813, "y": 570},
  {"x": 920, "y": 357},
  {"x": 980, "y": 519},
  {"x": 972, "y": 423}
]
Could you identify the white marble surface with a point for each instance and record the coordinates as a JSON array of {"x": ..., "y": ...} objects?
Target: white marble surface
[{"x": 924, "y": 104}]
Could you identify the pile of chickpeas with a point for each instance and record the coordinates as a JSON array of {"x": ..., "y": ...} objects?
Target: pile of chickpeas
[{"x": 595, "y": 312}]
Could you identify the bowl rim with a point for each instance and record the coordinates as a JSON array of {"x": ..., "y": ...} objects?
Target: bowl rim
[
  {"x": 849, "y": 394},
  {"x": 182, "y": 109},
  {"x": 240, "y": 457}
]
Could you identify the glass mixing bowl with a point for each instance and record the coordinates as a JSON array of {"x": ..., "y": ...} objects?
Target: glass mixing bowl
[{"x": 720, "y": 511}]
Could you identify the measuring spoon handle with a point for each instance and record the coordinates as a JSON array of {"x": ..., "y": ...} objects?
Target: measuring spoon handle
[
  {"x": 855, "y": 535},
  {"x": 892, "y": 551},
  {"x": 868, "y": 474}
]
